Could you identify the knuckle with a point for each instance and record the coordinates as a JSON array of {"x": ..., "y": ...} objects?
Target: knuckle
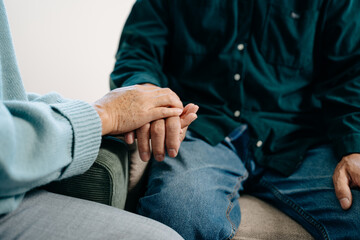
[
  {"x": 346, "y": 160},
  {"x": 164, "y": 111},
  {"x": 173, "y": 123},
  {"x": 172, "y": 131},
  {"x": 141, "y": 147},
  {"x": 334, "y": 178},
  {"x": 172, "y": 139},
  {"x": 340, "y": 193},
  {"x": 157, "y": 148},
  {"x": 173, "y": 97},
  {"x": 157, "y": 128},
  {"x": 172, "y": 144},
  {"x": 167, "y": 89}
]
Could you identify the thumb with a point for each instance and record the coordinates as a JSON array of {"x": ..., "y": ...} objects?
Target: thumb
[{"x": 342, "y": 189}]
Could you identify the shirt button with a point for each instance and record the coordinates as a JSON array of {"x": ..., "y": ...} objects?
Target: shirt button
[
  {"x": 259, "y": 143},
  {"x": 240, "y": 47},
  {"x": 237, "y": 77},
  {"x": 237, "y": 113}
]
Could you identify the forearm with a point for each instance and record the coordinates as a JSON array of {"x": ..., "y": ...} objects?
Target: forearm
[
  {"x": 339, "y": 73},
  {"x": 143, "y": 45},
  {"x": 41, "y": 143}
]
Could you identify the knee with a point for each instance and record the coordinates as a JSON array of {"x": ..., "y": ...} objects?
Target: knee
[
  {"x": 193, "y": 209},
  {"x": 171, "y": 200}
]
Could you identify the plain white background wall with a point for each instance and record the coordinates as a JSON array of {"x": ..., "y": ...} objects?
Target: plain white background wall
[{"x": 67, "y": 46}]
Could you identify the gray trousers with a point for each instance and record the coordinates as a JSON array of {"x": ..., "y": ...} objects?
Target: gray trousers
[{"x": 45, "y": 215}]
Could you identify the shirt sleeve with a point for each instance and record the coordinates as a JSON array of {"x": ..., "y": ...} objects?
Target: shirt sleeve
[
  {"x": 45, "y": 139},
  {"x": 142, "y": 46},
  {"x": 340, "y": 75}
]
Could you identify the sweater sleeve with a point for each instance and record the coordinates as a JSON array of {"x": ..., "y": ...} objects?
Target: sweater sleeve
[
  {"x": 48, "y": 138},
  {"x": 143, "y": 46}
]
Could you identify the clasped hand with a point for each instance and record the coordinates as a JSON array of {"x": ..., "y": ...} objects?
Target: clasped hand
[
  {"x": 149, "y": 112},
  {"x": 164, "y": 133},
  {"x": 169, "y": 133}
]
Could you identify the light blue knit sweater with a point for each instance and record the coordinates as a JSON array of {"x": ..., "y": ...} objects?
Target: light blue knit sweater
[{"x": 42, "y": 138}]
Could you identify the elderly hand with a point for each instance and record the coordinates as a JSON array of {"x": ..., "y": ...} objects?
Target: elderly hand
[
  {"x": 346, "y": 175},
  {"x": 126, "y": 109},
  {"x": 168, "y": 132}
]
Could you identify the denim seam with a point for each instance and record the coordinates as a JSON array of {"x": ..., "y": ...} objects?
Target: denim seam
[
  {"x": 297, "y": 208},
  {"x": 231, "y": 205}
]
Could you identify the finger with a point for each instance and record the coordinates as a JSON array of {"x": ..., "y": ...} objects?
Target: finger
[
  {"x": 129, "y": 137},
  {"x": 188, "y": 115},
  {"x": 186, "y": 118},
  {"x": 342, "y": 189},
  {"x": 183, "y": 134},
  {"x": 172, "y": 132},
  {"x": 162, "y": 112},
  {"x": 185, "y": 121},
  {"x": 143, "y": 137},
  {"x": 190, "y": 108},
  {"x": 157, "y": 131}
]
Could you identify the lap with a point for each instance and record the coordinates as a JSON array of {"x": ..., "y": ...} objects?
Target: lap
[
  {"x": 308, "y": 196},
  {"x": 198, "y": 165},
  {"x": 45, "y": 215},
  {"x": 203, "y": 178}
]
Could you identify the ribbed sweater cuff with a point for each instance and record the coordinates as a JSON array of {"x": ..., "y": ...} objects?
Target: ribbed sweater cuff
[{"x": 86, "y": 125}]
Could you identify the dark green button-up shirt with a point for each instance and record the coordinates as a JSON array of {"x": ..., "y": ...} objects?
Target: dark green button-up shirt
[{"x": 290, "y": 69}]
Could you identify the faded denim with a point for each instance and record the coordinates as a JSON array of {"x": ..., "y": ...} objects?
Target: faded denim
[{"x": 197, "y": 193}]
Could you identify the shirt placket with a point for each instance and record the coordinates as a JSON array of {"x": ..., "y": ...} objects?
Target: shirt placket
[{"x": 244, "y": 19}]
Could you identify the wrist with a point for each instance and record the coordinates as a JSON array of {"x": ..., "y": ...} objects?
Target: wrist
[{"x": 105, "y": 118}]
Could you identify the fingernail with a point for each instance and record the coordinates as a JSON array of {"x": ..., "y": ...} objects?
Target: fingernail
[
  {"x": 159, "y": 157},
  {"x": 144, "y": 156},
  {"x": 345, "y": 203},
  {"x": 172, "y": 152}
]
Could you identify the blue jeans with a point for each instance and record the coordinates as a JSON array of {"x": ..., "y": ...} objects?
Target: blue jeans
[{"x": 197, "y": 192}]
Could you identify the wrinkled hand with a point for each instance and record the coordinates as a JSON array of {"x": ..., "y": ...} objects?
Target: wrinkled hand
[
  {"x": 126, "y": 109},
  {"x": 346, "y": 175},
  {"x": 168, "y": 132}
]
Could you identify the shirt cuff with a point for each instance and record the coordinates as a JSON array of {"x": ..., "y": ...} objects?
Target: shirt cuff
[
  {"x": 86, "y": 126},
  {"x": 141, "y": 78},
  {"x": 347, "y": 145}
]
